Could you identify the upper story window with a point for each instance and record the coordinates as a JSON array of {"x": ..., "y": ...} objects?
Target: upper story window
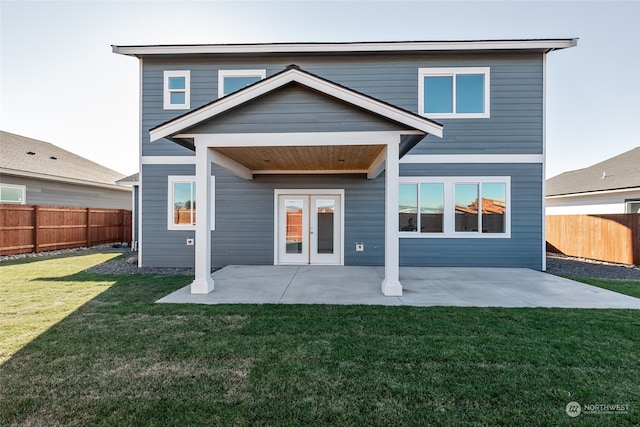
[
  {"x": 454, "y": 92},
  {"x": 177, "y": 90},
  {"x": 455, "y": 207},
  {"x": 230, "y": 81},
  {"x": 14, "y": 194}
]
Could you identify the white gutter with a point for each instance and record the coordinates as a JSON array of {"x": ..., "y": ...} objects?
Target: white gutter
[
  {"x": 594, "y": 193},
  {"x": 62, "y": 179},
  {"x": 538, "y": 44}
]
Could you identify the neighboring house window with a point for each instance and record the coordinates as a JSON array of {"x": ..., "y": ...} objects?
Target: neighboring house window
[
  {"x": 182, "y": 203},
  {"x": 455, "y": 207},
  {"x": 177, "y": 90},
  {"x": 632, "y": 206},
  {"x": 14, "y": 194},
  {"x": 230, "y": 81},
  {"x": 454, "y": 92}
]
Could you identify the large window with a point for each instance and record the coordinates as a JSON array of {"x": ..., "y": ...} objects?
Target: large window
[
  {"x": 14, "y": 194},
  {"x": 454, "y": 92},
  {"x": 182, "y": 203},
  {"x": 230, "y": 81},
  {"x": 177, "y": 90},
  {"x": 454, "y": 207}
]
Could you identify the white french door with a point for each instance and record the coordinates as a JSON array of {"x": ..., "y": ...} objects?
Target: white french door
[{"x": 309, "y": 228}]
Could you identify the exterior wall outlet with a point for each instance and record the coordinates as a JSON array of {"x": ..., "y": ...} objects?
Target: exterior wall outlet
[
  {"x": 359, "y": 247},
  {"x": 190, "y": 241}
]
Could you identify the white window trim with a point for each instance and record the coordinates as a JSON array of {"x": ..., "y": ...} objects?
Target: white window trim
[
  {"x": 187, "y": 178},
  {"x": 424, "y": 72},
  {"x": 187, "y": 90},
  {"x": 237, "y": 73},
  {"x": 22, "y": 188},
  {"x": 448, "y": 215}
]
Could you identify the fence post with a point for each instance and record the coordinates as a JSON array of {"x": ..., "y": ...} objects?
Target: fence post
[
  {"x": 88, "y": 239},
  {"x": 122, "y": 230},
  {"x": 36, "y": 229}
]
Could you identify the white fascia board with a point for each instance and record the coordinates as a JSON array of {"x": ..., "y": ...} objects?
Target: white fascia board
[
  {"x": 309, "y": 171},
  {"x": 417, "y": 46},
  {"x": 168, "y": 160},
  {"x": 299, "y": 139},
  {"x": 293, "y": 75},
  {"x": 472, "y": 158},
  {"x": 595, "y": 193}
]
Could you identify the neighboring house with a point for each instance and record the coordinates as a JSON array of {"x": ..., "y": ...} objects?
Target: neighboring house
[
  {"x": 385, "y": 153},
  {"x": 608, "y": 187},
  {"x": 39, "y": 173}
]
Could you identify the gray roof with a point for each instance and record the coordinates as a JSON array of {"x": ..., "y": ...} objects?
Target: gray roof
[
  {"x": 130, "y": 180},
  {"x": 24, "y": 156},
  {"x": 619, "y": 172}
]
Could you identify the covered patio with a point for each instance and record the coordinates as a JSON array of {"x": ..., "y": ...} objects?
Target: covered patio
[
  {"x": 297, "y": 123},
  {"x": 423, "y": 286}
]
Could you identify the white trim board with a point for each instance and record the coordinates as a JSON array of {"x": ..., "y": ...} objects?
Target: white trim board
[
  {"x": 295, "y": 139},
  {"x": 168, "y": 160},
  {"x": 472, "y": 158},
  {"x": 406, "y": 46}
]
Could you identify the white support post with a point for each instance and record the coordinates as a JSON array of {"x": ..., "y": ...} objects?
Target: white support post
[
  {"x": 203, "y": 283},
  {"x": 391, "y": 286}
]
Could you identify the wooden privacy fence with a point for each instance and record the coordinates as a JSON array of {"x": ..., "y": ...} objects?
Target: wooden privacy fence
[
  {"x": 32, "y": 228},
  {"x": 606, "y": 237}
]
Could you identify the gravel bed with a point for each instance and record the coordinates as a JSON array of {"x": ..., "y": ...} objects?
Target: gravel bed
[
  {"x": 562, "y": 265},
  {"x": 559, "y": 265}
]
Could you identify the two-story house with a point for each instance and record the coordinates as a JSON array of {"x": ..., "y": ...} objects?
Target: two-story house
[{"x": 381, "y": 153}]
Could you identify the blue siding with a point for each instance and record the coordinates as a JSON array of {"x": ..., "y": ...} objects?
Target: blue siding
[
  {"x": 296, "y": 109},
  {"x": 244, "y": 216},
  {"x": 515, "y": 125},
  {"x": 161, "y": 247},
  {"x": 244, "y": 219},
  {"x": 523, "y": 249},
  {"x": 244, "y": 209}
]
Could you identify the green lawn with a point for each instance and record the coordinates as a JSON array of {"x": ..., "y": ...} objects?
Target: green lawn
[{"x": 95, "y": 350}]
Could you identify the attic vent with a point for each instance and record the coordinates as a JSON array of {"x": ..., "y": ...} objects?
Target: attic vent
[
  {"x": 53, "y": 158},
  {"x": 31, "y": 153}
]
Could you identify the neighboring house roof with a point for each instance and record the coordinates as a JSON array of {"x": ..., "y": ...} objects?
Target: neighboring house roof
[
  {"x": 24, "y": 156},
  {"x": 292, "y": 74},
  {"x": 539, "y": 45},
  {"x": 131, "y": 180},
  {"x": 617, "y": 173}
]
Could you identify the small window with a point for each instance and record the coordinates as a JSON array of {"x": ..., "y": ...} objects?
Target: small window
[
  {"x": 230, "y": 81},
  {"x": 182, "y": 203},
  {"x": 14, "y": 194},
  {"x": 177, "y": 90},
  {"x": 454, "y": 207},
  {"x": 632, "y": 206},
  {"x": 454, "y": 92}
]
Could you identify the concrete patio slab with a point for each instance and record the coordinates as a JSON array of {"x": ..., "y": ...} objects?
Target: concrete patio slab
[{"x": 423, "y": 286}]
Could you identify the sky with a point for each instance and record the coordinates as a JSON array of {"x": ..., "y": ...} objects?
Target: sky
[{"x": 61, "y": 83}]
